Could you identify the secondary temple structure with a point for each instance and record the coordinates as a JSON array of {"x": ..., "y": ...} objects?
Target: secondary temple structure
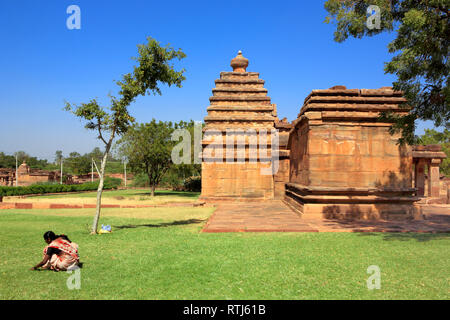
[
  {"x": 344, "y": 162},
  {"x": 26, "y": 176},
  {"x": 337, "y": 159}
]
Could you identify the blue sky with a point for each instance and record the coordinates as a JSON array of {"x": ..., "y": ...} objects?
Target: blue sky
[{"x": 43, "y": 63}]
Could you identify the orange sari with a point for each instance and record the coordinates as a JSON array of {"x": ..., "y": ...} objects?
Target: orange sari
[{"x": 66, "y": 259}]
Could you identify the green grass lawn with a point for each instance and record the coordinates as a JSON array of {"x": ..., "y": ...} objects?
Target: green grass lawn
[
  {"x": 160, "y": 254},
  {"x": 128, "y": 196}
]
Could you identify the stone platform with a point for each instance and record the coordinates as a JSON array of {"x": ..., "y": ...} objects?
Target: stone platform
[
  {"x": 267, "y": 216},
  {"x": 275, "y": 216}
]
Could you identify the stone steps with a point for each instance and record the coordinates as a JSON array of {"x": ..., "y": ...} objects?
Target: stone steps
[
  {"x": 255, "y": 108},
  {"x": 240, "y": 116},
  {"x": 239, "y": 92},
  {"x": 356, "y": 100},
  {"x": 240, "y": 81}
]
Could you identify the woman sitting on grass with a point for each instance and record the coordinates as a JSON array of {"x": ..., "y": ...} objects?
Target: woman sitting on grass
[{"x": 61, "y": 254}]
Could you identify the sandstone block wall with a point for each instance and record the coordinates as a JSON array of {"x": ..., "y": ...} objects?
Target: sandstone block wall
[{"x": 344, "y": 162}]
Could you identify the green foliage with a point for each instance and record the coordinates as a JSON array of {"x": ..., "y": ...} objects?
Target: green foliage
[
  {"x": 77, "y": 164},
  {"x": 153, "y": 69},
  {"x": 58, "y": 156},
  {"x": 110, "y": 183},
  {"x": 9, "y": 161},
  {"x": 432, "y": 136},
  {"x": 140, "y": 180},
  {"x": 422, "y": 46},
  {"x": 183, "y": 171},
  {"x": 148, "y": 148},
  {"x": 172, "y": 180},
  {"x": 193, "y": 184}
]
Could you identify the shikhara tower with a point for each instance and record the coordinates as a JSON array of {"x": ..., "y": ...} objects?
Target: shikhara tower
[{"x": 240, "y": 113}]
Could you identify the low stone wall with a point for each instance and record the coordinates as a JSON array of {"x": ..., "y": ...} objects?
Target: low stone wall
[{"x": 40, "y": 205}]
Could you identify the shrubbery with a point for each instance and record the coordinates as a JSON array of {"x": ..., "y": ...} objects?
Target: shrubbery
[
  {"x": 110, "y": 183},
  {"x": 140, "y": 180},
  {"x": 193, "y": 184}
]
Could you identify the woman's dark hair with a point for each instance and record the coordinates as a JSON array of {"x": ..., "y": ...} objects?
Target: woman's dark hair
[{"x": 52, "y": 236}]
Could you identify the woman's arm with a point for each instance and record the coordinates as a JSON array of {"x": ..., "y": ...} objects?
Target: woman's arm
[{"x": 43, "y": 262}]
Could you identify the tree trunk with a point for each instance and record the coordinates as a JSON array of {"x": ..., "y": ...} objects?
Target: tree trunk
[
  {"x": 100, "y": 191},
  {"x": 153, "y": 190}
]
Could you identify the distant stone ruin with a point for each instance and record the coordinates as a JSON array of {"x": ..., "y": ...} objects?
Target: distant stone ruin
[{"x": 26, "y": 176}]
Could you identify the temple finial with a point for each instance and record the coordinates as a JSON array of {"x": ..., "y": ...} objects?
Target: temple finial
[{"x": 239, "y": 64}]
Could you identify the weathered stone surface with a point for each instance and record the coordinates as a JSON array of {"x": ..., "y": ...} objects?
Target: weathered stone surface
[{"x": 347, "y": 159}]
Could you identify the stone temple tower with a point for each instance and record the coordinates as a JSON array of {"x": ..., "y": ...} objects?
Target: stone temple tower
[{"x": 240, "y": 117}]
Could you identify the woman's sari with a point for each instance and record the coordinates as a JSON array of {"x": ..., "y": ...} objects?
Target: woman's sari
[{"x": 67, "y": 258}]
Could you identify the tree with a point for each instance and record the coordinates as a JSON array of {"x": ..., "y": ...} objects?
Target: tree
[
  {"x": 58, "y": 156},
  {"x": 431, "y": 136},
  {"x": 422, "y": 46},
  {"x": 7, "y": 161},
  {"x": 153, "y": 69},
  {"x": 148, "y": 148},
  {"x": 186, "y": 170},
  {"x": 21, "y": 156},
  {"x": 96, "y": 154},
  {"x": 78, "y": 164}
]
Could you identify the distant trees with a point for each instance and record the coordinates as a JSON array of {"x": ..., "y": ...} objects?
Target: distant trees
[
  {"x": 148, "y": 148},
  {"x": 9, "y": 161},
  {"x": 78, "y": 164},
  {"x": 184, "y": 170},
  {"x": 58, "y": 156},
  {"x": 73, "y": 164}
]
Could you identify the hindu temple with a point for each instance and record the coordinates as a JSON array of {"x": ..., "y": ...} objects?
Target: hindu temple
[{"x": 336, "y": 160}]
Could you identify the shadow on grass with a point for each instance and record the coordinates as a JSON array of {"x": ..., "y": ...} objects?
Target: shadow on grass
[
  {"x": 434, "y": 226},
  {"x": 160, "y": 225},
  {"x": 407, "y": 236}
]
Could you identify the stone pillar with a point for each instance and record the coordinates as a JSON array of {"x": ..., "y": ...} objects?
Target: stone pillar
[
  {"x": 419, "y": 177},
  {"x": 433, "y": 178}
]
